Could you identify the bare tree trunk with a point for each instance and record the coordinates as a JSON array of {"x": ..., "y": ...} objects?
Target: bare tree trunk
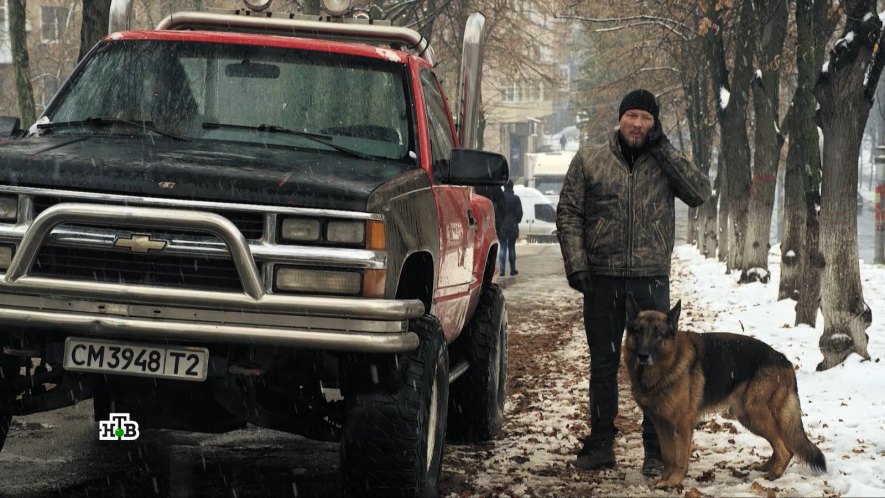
[
  {"x": 96, "y": 14},
  {"x": 768, "y": 140},
  {"x": 722, "y": 233},
  {"x": 800, "y": 260},
  {"x": 21, "y": 62},
  {"x": 697, "y": 94},
  {"x": 699, "y": 222},
  {"x": 845, "y": 91},
  {"x": 811, "y": 261},
  {"x": 732, "y": 96},
  {"x": 426, "y": 28},
  {"x": 711, "y": 215},
  {"x": 794, "y": 213}
]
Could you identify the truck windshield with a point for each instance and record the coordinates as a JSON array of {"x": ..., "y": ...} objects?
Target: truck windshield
[{"x": 242, "y": 93}]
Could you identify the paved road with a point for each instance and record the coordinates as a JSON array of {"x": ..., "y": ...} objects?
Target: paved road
[{"x": 58, "y": 454}]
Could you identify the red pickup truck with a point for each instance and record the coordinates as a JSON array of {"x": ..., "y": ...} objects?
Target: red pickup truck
[{"x": 249, "y": 217}]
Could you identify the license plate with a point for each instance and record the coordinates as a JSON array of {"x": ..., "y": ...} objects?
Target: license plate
[{"x": 145, "y": 360}]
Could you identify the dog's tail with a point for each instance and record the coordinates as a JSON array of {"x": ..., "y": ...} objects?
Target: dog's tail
[{"x": 794, "y": 433}]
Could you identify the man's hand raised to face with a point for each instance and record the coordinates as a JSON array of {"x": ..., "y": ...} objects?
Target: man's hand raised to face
[{"x": 656, "y": 136}]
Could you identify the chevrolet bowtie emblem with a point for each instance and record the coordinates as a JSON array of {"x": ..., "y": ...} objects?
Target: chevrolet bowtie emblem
[{"x": 140, "y": 243}]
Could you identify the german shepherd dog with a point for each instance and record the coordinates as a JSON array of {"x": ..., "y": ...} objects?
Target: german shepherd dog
[{"x": 677, "y": 376}]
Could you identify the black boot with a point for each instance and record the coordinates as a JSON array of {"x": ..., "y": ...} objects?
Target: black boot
[
  {"x": 653, "y": 464},
  {"x": 598, "y": 454}
]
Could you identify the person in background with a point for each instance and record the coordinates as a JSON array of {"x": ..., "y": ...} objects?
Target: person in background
[
  {"x": 496, "y": 195},
  {"x": 616, "y": 227},
  {"x": 509, "y": 231},
  {"x": 562, "y": 142}
]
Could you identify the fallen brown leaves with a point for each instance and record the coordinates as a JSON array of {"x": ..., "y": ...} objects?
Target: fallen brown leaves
[{"x": 761, "y": 490}]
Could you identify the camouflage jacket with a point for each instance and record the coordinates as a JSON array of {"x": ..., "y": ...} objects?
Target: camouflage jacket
[{"x": 619, "y": 222}]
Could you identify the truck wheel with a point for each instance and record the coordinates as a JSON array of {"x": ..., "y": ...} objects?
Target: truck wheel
[
  {"x": 476, "y": 399},
  {"x": 392, "y": 443},
  {"x": 10, "y": 369}
]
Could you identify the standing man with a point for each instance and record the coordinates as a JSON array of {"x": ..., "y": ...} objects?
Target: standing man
[
  {"x": 509, "y": 231},
  {"x": 562, "y": 141},
  {"x": 616, "y": 231},
  {"x": 496, "y": 195}
]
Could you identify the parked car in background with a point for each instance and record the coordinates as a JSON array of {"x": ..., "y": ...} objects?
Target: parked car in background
[{"x": 538, "y": 215}]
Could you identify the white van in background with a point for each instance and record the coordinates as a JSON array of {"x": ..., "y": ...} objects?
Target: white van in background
[{"x": 538, "y": 215}]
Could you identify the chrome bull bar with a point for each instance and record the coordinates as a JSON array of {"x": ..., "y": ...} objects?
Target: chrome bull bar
[
  {"x": 128, "y": 216},
  {"x": 360, "y": 325}
]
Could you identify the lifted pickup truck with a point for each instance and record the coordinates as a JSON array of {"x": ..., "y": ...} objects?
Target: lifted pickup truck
[{"x": 256, "y": 218}]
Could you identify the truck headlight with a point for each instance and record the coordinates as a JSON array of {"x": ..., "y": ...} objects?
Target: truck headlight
[
  {"x": 346, "y": 232},
  {"x": 292, "y": 279},
  {"x": 301, "y": 229},
  {"x": 8, "y": 207}
]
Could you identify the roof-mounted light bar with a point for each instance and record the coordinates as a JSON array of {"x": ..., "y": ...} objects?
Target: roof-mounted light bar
[
  {"x": 356, "y": 30},
  {"x": 395, "y": 36}
]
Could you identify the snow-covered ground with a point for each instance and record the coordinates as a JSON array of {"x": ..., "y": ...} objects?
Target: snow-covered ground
[{"x": 843, "y": 408}]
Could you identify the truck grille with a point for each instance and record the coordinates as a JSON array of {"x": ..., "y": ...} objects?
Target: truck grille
[
  {"x": 250, "y": 224},
  {"x": 137, "y": 269}
]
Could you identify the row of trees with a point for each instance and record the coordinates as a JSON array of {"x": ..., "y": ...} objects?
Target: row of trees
[
  {"x": 747, "y": 76},
  {"x": 753, "y": 75}
]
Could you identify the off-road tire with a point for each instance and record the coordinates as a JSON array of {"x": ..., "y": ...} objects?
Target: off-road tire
[
  {"x": 476, "y": 399},
  {"x": 10, "y": 369},
  {"x": 384, "y": 445}
]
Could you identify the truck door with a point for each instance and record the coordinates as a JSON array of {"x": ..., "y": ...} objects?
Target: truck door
[{"x": 457, "y": 224}]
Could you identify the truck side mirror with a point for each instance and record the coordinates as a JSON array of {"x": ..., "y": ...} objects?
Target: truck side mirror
[
  {"x": 10, "y": 127},
  {"x": 474, "y": 168}
]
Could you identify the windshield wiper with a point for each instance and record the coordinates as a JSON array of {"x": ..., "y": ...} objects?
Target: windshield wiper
[
  {"x": 316, "y": 137},
  {"x": 104, "y": 121}
]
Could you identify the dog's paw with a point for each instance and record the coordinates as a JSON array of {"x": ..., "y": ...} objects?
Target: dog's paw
[
  {"x": 762, "y": 466},
  {"x": 773, "y": 475}
]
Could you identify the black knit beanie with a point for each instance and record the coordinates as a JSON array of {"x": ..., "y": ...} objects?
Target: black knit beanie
[{"x": 639, "y": 99}]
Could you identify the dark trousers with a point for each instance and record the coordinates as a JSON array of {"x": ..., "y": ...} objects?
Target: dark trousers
[
  {"x": 604, "y": 321},
  {"x": 507, "y": 250}
]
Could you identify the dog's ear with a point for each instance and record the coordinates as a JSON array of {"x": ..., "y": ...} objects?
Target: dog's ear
[
  {"x": 632, "y": 308},
  {"x": 673, "y": 316}
]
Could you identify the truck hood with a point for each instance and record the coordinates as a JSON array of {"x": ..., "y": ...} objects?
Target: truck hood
[{"x": 198, "y": 170}]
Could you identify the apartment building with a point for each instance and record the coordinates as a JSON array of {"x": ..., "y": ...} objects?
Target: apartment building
[{"x": 519, "y": 111}]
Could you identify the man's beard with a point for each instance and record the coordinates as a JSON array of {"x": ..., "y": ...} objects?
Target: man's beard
[{"x": 634, "y": 142}]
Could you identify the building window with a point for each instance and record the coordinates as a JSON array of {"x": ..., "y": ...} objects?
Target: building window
[
  {"x": 536, "y": 92},
  {"x": 53, "y": 20},
  {"x": 508, "y": 92}
]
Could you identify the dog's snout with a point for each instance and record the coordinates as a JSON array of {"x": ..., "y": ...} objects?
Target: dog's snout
[{"x": 644, "y": 358}]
